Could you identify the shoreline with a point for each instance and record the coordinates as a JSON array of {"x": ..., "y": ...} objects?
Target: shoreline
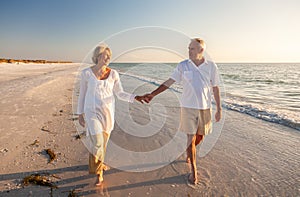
[
  {"x": 27, "y": 61},
  {"x": 251, "y": 157}
]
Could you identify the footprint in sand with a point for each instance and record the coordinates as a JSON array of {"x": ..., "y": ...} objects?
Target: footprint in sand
[{"x": 203, "y": 179}]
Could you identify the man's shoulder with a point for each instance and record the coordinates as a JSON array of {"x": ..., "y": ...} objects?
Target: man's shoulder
[
  {"x": 211, "y": 63},
  {"x": 183, "y": 62}
]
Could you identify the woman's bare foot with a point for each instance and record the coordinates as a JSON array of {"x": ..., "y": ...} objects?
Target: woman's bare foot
[
  {"x": 106, "y": 167},
  {"x": 99, "y": 180}
]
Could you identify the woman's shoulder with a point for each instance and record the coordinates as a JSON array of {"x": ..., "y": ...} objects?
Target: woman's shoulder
[
  {"x": 86, "y": 72},
  {"x": 114, "y": 73}
]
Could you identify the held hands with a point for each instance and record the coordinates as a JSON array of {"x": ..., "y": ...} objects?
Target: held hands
[{"x": 145, "y": 98}]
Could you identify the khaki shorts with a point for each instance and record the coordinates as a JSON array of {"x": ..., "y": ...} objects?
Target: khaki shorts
[{"x": 195, "y": 121}]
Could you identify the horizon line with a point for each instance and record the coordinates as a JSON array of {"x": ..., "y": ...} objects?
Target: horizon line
[
  {"x": 217, "y": 62},
  {"x": 247, "y": 62}
]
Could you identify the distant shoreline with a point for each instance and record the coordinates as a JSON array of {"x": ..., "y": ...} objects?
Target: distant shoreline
[{"x": 12, "y": 61}]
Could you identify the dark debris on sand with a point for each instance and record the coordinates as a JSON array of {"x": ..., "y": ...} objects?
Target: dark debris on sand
[
  {"x": 79, "y": 136},
  {"x": 40, "y": 179},
  {"x": 51, "y": 154},
  {"x": 35, "y": 143}
]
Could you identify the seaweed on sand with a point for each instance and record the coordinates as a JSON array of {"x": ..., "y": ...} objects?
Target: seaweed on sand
[
  {"x": 51, "y": 154},
  {"x": 39, "y": 179}
]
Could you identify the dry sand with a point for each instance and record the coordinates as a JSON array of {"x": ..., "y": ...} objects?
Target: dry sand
[{"x": 250, "y": 158}]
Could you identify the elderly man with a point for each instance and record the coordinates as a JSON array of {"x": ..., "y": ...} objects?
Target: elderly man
[{"x": 198, "y": 77}]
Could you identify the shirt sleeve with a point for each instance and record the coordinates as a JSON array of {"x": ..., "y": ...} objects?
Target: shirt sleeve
[
  {"x": 119, "y": 92},
  {"x": 82, "y": 93},
  {"x": 215, "y": 79},
  {"x": 177, "y": 74}
]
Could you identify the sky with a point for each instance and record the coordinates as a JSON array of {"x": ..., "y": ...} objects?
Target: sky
[{"x": 234, "y": 30}]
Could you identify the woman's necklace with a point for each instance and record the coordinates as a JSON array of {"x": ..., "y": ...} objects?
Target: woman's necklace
[{"x": 102, "y": 73}]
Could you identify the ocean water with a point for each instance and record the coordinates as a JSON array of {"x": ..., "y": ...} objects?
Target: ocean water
[{"x": 268, "y": 91}]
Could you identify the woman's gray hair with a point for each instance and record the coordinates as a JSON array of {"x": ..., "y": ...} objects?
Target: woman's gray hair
[{"x": 99, "y": 50}]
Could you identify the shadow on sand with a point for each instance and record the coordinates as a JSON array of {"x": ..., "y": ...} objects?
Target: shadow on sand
[{"x": 75, "y": 179}]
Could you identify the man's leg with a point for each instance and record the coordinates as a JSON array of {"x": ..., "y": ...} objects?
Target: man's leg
[
  {"x": 192, "y": 155},
  {"x": 199, "y": 138},
  {"x": 188, "y": 150}
]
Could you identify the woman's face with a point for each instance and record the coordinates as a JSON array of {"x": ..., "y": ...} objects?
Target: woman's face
[{"x": 104, "y": 58}]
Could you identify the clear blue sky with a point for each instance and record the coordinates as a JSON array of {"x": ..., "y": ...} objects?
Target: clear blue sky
[{"x": 235, "y": 30}]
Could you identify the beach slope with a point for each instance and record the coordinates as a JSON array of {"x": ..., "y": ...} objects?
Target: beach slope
[{"x": 251, "y": 157}]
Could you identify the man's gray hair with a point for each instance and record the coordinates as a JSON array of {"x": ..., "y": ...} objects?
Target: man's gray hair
[{"x": 201, "y": 41}]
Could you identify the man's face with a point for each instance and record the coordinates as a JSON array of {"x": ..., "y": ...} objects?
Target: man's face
[{"x": 195, "y": 50}]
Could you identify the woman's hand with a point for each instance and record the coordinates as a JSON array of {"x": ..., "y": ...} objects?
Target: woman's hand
[{"x": 81, "y": 120}]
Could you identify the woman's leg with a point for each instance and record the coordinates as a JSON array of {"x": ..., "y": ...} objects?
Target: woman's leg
[
  {"x": 97, "y": 157},
  {"x": 105, "y": 140}
]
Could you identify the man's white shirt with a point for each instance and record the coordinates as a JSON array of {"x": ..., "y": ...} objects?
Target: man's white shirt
[{"x": 197, "y": 82}]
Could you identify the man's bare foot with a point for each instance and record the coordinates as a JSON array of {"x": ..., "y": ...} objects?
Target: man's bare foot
[{"x": 192, "y": 179}]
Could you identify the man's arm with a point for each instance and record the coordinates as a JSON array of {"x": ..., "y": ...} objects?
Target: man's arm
[
  {"x": 160, "y": 89},
  {"x": 218, "y": 114}
]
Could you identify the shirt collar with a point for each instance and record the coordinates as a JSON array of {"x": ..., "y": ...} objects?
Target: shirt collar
[{"x": 205, "y": 62}]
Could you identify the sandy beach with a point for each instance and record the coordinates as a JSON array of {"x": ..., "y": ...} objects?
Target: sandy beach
[{"x": 252, "y": 157}]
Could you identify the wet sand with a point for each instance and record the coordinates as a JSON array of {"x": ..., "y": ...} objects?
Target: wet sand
[{"x": 250, "y": 158}]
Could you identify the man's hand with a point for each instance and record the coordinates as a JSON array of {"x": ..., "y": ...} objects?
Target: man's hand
[
  {"x": 148, "y": 97},
  {"x": 218, "y": 115},
  {"x": 140, "y": 99},
  {"x": 145, "y": 98},
  {"x": 81, "y": 120}
]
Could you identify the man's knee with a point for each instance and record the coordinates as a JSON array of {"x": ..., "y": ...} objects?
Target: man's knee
[
  {"x": 191, "y": 140},
  {"x": 198, "y": 139}
]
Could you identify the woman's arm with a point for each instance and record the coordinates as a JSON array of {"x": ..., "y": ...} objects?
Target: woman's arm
[
  {"x": 81, "y": 99},
  {"x": 119, "y": 92}
]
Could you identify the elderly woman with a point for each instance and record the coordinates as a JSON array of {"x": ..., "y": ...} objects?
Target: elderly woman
[{"x": 96, "y": 106}]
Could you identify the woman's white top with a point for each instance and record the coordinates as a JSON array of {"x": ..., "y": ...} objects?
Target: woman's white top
[{"x": 96, "y": 100}]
